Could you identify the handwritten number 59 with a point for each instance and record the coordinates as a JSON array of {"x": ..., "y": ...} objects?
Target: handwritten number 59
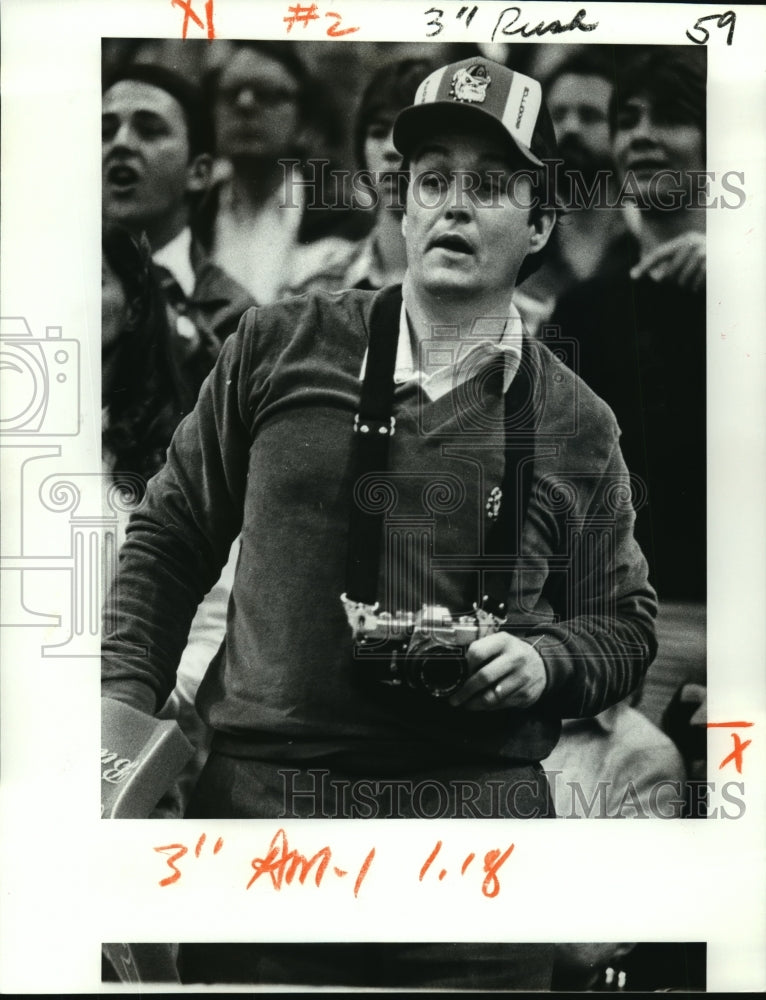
[{"x": 722, "y": 20}]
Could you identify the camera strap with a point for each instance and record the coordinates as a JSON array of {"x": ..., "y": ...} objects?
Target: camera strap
[
  {"x": 374, "y": 425},
  {"x": 503, "y": 540}
]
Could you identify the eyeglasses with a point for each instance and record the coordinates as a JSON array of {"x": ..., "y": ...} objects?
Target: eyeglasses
[{"x": 261, "y": 93}]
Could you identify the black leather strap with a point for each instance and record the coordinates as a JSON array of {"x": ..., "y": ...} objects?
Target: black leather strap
[
  {"x": 503, "y": 540},
  {"x": 374, "y": 427}
]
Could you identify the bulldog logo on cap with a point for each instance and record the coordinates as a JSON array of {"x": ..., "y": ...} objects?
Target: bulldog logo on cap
[
  {"x": 470, "y": 84},
  {"x": 488, "y": 93}
]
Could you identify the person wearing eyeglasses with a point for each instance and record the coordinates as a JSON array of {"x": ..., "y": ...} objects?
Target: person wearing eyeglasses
[{"x": 260, "y": 220}]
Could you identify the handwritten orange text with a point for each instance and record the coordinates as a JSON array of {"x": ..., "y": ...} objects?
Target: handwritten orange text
[
  {"x": 735, "y": 757},
  {"x": 493, "y": 861},
  {"x": 180, "y": 850},
  {"x": 305, "y": 14},
  {"x": 283, "y": 865},
  {"x": 189, "y": 13}
]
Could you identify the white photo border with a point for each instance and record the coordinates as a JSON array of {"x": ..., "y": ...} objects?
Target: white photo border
[{"x": 71, "y": 881}]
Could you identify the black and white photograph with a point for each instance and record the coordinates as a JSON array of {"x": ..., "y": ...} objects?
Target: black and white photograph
[{"x": 428, "y": 357}]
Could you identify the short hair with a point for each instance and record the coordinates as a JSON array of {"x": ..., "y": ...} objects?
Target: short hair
[
  {"x": 282, "y": 52},
  {"x": 199, "y": 125},
  {"x": 390, "y": 89},
  {"x": 672, "y": 78},
  {"x": 593, "y": 61}
]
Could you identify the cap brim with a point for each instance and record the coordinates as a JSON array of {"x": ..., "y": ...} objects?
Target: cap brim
[{"x": 415, "y": 123}]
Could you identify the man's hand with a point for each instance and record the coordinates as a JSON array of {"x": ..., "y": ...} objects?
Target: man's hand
[
  {"x": 681, "y": 261},
  {"x": 506, "y": 672}
]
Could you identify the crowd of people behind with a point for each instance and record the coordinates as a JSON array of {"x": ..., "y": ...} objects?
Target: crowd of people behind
[{"x": 216, "y": 198}]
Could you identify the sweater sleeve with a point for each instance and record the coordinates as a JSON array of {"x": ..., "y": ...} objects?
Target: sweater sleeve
[
  {"x": 603, "y": 638},
  {"x": 178, "y": 541}
]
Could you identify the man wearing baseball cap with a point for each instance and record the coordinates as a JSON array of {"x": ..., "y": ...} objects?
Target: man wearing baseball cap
[{"x": 437, "y": 559}]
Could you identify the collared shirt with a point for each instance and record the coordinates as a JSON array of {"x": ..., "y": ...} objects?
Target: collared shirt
[
  {"x": 333, "y": 264},
  {"x": 286, "y": 524},
  {"x": 256, "y": 247},
  {"x": 365, "y": 269},
  {"x": 174, "y": 262},
  {"x": 491, "y": 338},
  {"x": 176, "y": 258}
]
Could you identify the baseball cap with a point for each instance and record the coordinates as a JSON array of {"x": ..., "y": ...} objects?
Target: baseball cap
[{"x": 480, "y": 90}]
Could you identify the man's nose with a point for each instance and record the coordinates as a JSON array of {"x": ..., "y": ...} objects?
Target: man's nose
[
  {"x": 641, "y": 128},
  {"x": 124, "y": 136},
  {"x": 567, "y": 124},
  {"x": 391, "y": 154},
  {"x": 458, "y": 203},
  {"x": 246, "y": 100}
]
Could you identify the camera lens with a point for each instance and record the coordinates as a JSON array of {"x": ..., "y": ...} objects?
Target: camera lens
[{"x": 441, "y": 672}]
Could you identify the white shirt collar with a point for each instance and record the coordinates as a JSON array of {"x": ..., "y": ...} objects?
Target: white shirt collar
[
  {"x": 365, "y": 266},
  {"x": 176, "y": 257},
  {"x": 480, "y": 349}
]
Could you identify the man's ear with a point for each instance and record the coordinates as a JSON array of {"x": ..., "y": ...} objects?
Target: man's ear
[
  {"x": 404, "y": 225},
  {"x": 198, "y": 172},
  {"x": 540, "y": 229}
]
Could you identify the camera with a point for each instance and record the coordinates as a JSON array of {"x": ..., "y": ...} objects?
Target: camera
[
  {"x": 423, "y": 651},
  {"x": 41, "y": 391}
]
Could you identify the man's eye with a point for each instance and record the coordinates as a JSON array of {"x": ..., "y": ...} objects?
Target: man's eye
[
  {"x": 672, "y": 117},
  {"x": 591, "y": 116},
  {"x": 626, "y": 119},
  {"x": 151, "y": 130},
  {"x": 433, "y": 180},
  {"x": 108, "y": 129},
  {"x": 377, "y": 131},
  {"x": 491, "y": 182}
]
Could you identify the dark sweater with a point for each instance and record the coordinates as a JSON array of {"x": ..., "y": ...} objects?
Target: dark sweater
[
  {"x": 268, "y": 452},
  {"x": 641, "y": 347}
]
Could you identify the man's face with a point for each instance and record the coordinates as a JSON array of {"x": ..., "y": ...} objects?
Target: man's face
[
  {"x": 649, "y": 139},
  {"x": 257, "y": 113},
  {"x": 145, "y": 158},
  {"x": 579, "y": 107},
  {"x": 467, "y": 243}
]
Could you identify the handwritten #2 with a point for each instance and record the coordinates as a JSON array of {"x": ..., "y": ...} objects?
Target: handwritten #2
[{"x": 286, "y": 866}]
